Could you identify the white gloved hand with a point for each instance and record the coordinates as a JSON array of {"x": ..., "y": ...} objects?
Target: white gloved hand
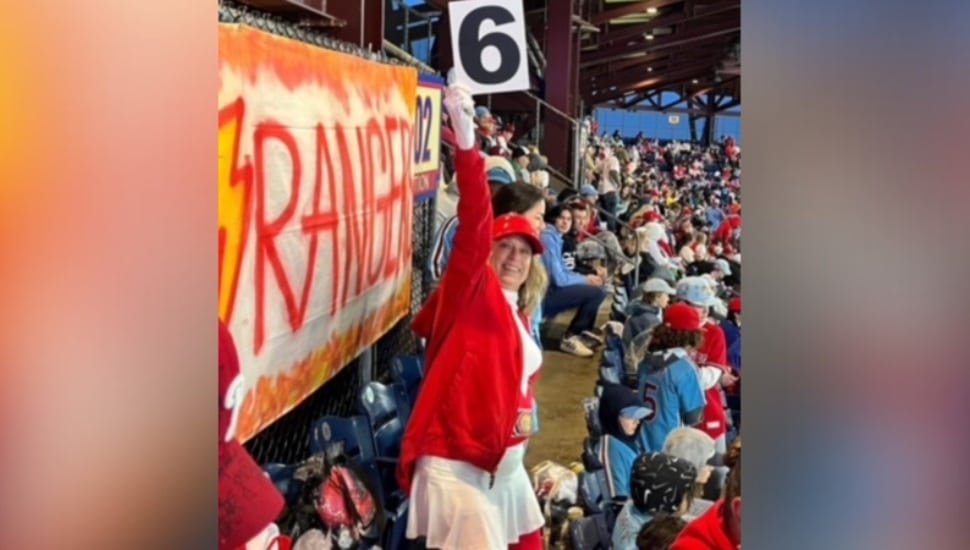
[{"x": 461, "y": 110}]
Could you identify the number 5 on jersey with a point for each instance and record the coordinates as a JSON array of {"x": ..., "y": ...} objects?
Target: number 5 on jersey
[{"x": 488, "y": 43}]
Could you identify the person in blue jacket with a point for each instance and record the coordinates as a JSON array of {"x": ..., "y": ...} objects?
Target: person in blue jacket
[
  {"x": 620, "y": 413},
  {"x": 568, "y": 289},
  {"x": 715, "y": 216}
]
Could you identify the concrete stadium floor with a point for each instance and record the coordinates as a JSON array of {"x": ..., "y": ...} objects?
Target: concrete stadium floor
[{"x": 564, "y": 382}]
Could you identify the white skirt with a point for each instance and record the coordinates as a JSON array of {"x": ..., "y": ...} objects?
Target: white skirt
[{"x": 453, "y": 508}]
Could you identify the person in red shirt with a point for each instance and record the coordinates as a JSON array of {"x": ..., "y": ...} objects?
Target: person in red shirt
[
  {"x": 462, "y": 453},
  {"x": 727, "y": 233},
  {"x": 711, "y": 358},
  {"x": 720, "y": 527}
]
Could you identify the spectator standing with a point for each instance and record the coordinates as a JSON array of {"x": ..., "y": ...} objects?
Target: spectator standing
[{"x": 462, "y": 452}]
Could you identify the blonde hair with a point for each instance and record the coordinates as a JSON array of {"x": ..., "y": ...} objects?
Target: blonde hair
[{"x": 534, "y": 288}]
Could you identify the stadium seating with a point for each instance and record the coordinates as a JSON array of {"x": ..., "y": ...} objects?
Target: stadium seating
[
  {"x": 408, "y": 370},
  {"x": 591, "y": 459},
  {"x": 387, "y": 410},
  {"x": 590, "y": 533}
]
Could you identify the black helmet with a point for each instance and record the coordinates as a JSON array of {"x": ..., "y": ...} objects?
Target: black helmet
[{"x": 660, "y": 482}]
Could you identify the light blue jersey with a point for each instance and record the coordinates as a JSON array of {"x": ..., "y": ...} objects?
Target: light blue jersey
[
  {"x": 617, "y": 457},
  {"x": 444, "y": 240},
  {"x": 628, "y": 524},
  {"x": 667, "y": 382}
]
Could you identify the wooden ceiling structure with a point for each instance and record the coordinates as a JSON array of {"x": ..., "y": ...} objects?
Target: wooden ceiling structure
[{"x": 583, "y": 53}]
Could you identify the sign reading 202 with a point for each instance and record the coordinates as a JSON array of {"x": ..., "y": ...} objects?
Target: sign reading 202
[{"x": 427, "y": 135}]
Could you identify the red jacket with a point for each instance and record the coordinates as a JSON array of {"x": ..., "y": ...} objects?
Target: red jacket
[
  {"x": 725, "y": 231},
  {"x": 706, "y": 532},
  {"x": 469, "y": 400},
  {"x": 713, "y": 352}
]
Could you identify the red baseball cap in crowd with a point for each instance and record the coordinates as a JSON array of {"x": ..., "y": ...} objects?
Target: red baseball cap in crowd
[
  {"x": 735, "y": 305},
  {"x": 681, "y": 316},
  {"x": 516, "y": 224},
  {"x": 248, "y": 500}
]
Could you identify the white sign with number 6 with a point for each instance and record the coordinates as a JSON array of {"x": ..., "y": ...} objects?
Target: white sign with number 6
[{"x": 488, "y": 43}]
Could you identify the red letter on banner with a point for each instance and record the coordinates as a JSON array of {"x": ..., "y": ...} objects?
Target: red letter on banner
[
  {"x": 326, "y": 220},
  {"x": 266, "y": 233}
]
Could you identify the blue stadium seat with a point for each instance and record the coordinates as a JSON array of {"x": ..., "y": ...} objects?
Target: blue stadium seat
[
  {"x": 408, "y": 370},
  {"x": 282, "y": 476},
  {"x": 590, "y": 533},
  {"x": 350, "y": 436},
  {"x": 591, "y": 491},
  {"x": 594, "y": 491},
  {"x": 612, "y": 370},
  {"x": 608, "y": 375},
  {"x": 612, "y": 358},
  {"x": 591, "y": 459},
  {"x": 387, "y": 409},
  {"x": 614, "y": 343}
]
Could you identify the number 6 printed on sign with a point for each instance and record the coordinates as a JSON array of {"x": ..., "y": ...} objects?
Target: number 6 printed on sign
[{"x": 488, "y": 42}]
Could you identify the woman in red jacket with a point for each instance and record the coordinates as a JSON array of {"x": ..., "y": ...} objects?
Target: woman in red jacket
[{"x": 462, "y": 453}]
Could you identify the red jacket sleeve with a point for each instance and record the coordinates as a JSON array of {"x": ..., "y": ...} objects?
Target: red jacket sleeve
[
  {"x": 469, "y": 254},
  {"x": 473, "y": 238},
  {"x": 715, "y": 345}
]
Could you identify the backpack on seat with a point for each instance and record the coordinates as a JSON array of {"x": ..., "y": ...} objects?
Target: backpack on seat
[{"x": 339, "y": 500}]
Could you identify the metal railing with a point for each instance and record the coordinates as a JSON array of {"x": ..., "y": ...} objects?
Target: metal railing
[
  {"x": 397, "y": 52},
  {"x": 409, "y": 11},
  {"x": 575, "y": 125}
]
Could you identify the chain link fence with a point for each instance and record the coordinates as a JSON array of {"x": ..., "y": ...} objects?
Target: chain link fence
[{"x": 286, "y": 440}]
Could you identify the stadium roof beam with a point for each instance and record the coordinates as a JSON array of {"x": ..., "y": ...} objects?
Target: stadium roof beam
[
  {"x": 697, "y": 67},
  {"x": 673, "y": 110},
  {"x": 618, "y": 33},
  {"x": 630, "y": 9},
  {"x": 704, "y": 34},
  {"x": 652, "y": 60},
  {"x": 666, "y": 81}
]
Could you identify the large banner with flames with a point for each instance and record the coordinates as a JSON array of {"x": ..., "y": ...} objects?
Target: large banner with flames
[{"x": 315, "y": 203}]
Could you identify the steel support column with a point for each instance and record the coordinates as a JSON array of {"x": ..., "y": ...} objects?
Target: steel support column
[
  {"x": 365, "y": 22},
  {"x": 709, "y": 120},
  {"x": 561, "y": 79},
  {"x": 442, "y": 44}
]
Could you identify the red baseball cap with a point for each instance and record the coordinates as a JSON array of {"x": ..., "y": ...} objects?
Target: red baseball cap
[
  {"x": 681, "y": 316},
  {"x": 735, "y": 305},
  {"x": 516, "y": 224},
  {"x": 248, "y": 500}
]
